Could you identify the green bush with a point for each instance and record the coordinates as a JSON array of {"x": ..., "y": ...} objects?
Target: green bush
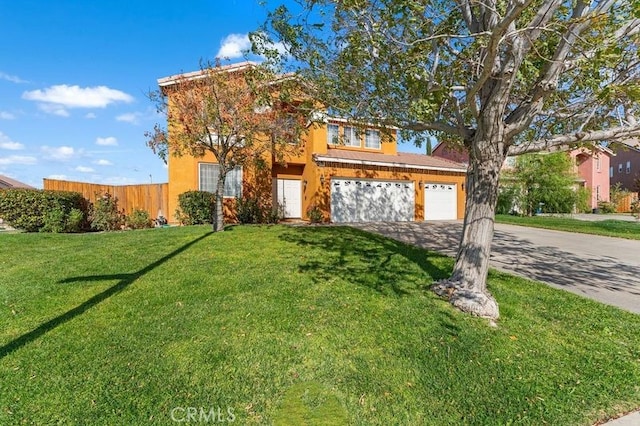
[
  {"x": 139, "y": 219},
  {"x": 195, "y": 207},
  {"x": 105, "y": 215},
  {"x": 248, "y": 210},
  {"x": 59, "y": 221},
  {"x": 606, "y": 207},
  {"x": 34, "y": 209},
  {"x": 275, "y": 214},
  {"x": 315, "y": 214}
]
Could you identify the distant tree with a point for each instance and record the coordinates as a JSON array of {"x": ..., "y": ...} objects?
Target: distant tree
[
  {"x": 548, "y": 182},
  {"x": 496, "y": 77},
  {"x": 237, "y": 112}
]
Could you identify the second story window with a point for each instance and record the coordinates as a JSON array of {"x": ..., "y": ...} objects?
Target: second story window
[
  {"x": 628, "y": 167},
  {"x": 333, "y": 135},
  {"x": 351, "y": 137},
  {"x": 597, "y": 163},
  {"x": 372, "y": 139}
]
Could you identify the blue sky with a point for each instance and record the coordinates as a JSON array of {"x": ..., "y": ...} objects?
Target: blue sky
[{"x": 74, "y": 76}]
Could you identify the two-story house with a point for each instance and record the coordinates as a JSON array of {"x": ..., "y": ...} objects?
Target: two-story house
[
  {"x": 625, "y": 169},
  {"x": 350, "y": 174}
]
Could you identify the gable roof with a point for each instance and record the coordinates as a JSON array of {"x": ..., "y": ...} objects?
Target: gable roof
[
  {"x": 403, "y": 160},
  {"x": 7, "y": 183}
]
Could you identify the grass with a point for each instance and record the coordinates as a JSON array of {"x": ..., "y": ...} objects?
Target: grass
[
  {"x": 280, "y": 325},
  {"x": 608, "y": 228}
]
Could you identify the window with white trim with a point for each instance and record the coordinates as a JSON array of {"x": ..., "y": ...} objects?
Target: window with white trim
[
  {"x": 611, "y": 171},
  {"x": 208, "y": 179},
  {"x": 598, "y": 165},
  {"x": 333, "y": 134},
  {"x": 351, "y": 137},
  {"x": 628, "y": 167},
  {"x": 372, "y": 139},
  {"x": 620, "y": 168},
  {"x": 598, "y": 193}
]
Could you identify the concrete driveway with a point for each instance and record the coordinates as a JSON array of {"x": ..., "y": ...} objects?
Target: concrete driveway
[{"x": 601, "y": 268}]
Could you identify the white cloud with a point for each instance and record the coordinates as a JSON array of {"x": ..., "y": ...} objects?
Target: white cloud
[
  {"x": 84, "y": 169},
  {"x": 108, "y": 141},
  {"x": 7, "y": 143},
  {"x": 78, "y": 97},
  {"x": 90, "y": 115},
  {"x": 234, "y": 46},
  {"x": 4, "y": 115},
  {"x": 57, "y": 177},
  {"x": 54, "y": 110},
  {"x": 61, "y": 153},
  {"x": 130, "y": 117},
  {"x": 18, "y": 159},
  {"x": 11, "y": 78},
  {"x": 103, "y": 163}
]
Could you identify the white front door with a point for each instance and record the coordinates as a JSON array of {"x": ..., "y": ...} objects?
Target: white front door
[
  {"x": 440, "y": 201},
  {"x": 290, "y": 197}
]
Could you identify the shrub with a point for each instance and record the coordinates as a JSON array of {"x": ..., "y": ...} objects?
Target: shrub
[
  {"x": 606, "y": 207},
  {"x": 58, "y": 221},
  {"x": 105, "y": 215},
  {"x": 34, "y": 209},
  {"x": 508, "y": 199},
  {"x": 635, "y": 209},
  {"x": 275, "y": 214},
  {"x": 315, "y": 214},
  {"x": 139, "y": 219},
  {"x": 195, "y": 207},
  {"x": 248, "y": 210}
]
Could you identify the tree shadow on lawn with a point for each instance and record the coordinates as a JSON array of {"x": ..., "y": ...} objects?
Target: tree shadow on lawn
[
  {"x": 367, "y": 259},
  {"x": 125, "y": 280},
  {"x": 601, "y": 277}
]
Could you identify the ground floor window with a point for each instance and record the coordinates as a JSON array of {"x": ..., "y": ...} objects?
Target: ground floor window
[{"x": 208, "y": 179}]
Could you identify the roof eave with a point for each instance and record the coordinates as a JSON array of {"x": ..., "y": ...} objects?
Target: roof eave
[{"x": 319, "y": 158}]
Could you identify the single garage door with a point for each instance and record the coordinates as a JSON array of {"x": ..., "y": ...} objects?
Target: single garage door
[
  {"x": 440, "y": 201},
  {"x": 364, "y": 200}
]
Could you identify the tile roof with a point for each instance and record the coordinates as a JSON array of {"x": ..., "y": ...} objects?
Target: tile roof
[
  {"x": 400, "y": 160},
  {"x": 7, "y": 182}
]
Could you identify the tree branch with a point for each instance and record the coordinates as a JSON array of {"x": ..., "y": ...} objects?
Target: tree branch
[{"x": 563, "y": 142}]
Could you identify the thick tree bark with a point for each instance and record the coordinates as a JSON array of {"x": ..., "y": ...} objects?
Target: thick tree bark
[
  {"x": 218, "y": 218},
  {"x": 467, "y": 287}
]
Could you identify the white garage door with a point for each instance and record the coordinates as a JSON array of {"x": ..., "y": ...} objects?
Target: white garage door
[
  {"x": 290, "y": 197},
  {"x": 440, "y": 201},
  {"x": 363, "y": 200}
]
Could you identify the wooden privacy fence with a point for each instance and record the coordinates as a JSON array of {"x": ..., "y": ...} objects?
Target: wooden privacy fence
[
  {"x": 152, "y": 198},
  {"x": 624, "y": 205}
]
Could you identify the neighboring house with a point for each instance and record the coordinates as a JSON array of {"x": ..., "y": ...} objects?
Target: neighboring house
[
  {"x": 8, "y": 183},
  {"x": 360, "y": 179},
  {"x": 625, "y": 168},
  {"x": 450, "y": 152},
  {"x": 592, "y": 167}
]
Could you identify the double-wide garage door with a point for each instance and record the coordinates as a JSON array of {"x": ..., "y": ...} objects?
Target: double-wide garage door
[{"x": 364, "y": 200}]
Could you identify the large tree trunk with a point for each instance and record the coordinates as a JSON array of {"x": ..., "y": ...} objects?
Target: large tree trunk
[
  {"x": 467, "y": 286},
  {"x": 218, "y": 218}
]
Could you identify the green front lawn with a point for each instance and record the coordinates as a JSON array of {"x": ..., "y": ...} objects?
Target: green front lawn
[
  {"x": 283, "y": 325},
  {"x": 608, "y": 228}
]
